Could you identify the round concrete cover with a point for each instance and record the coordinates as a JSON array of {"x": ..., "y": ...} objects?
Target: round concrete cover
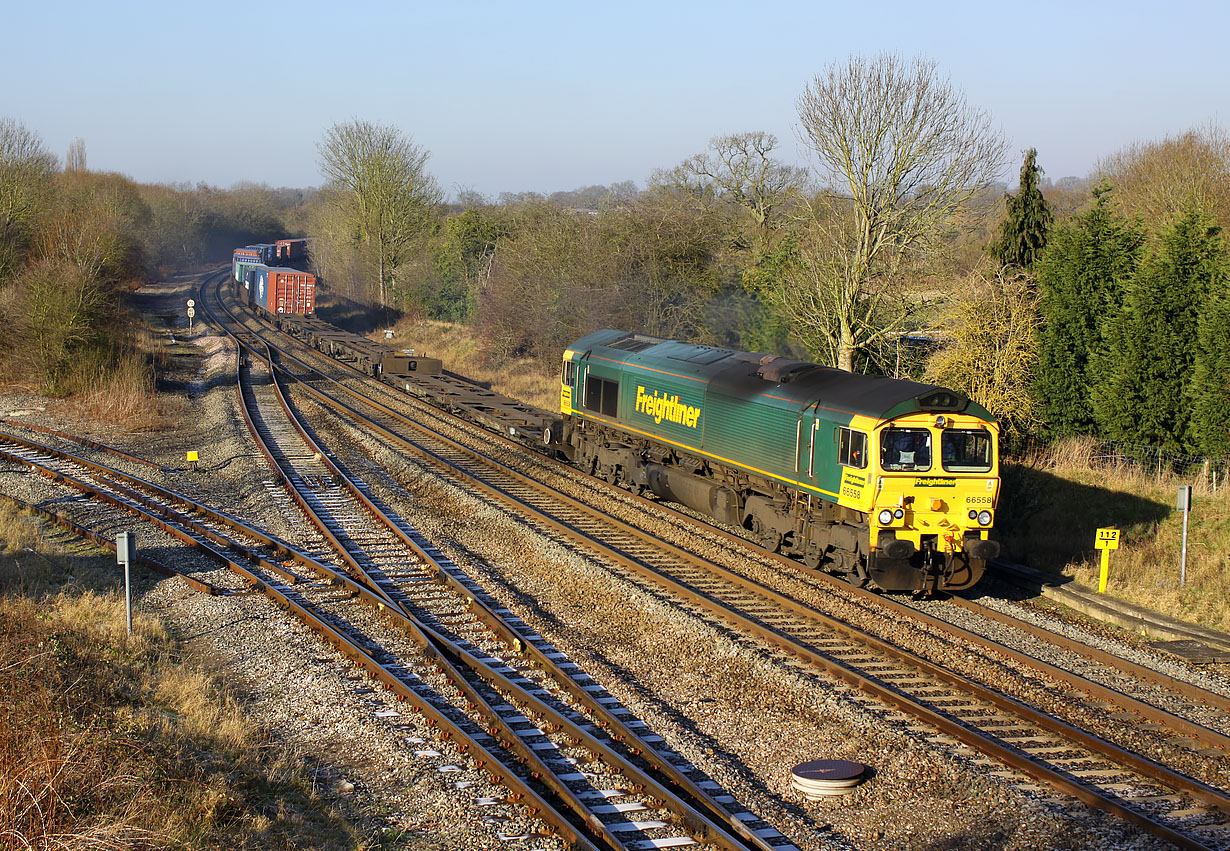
[
  {"x": 829, "y": 770},
  {"x": 824, "y": 778}
]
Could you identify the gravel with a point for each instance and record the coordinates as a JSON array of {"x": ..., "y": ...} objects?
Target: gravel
[{"x": 723, "y": 703}]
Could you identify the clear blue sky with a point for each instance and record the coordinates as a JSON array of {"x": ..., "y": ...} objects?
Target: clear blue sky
[{"x": 546, "y": 96}]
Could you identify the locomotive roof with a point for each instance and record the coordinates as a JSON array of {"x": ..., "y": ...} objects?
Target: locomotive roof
[{"x": 796, "y": 384}]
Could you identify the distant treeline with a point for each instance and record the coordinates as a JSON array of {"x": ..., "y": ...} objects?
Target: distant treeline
[
  {"x": 1086, "y": 306},
  {"x": 1090, "y": 306},
  {"x": 73, "y": 241}
]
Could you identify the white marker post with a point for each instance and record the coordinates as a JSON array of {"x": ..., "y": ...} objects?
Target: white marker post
[
  {"x": 125, "y": 550},
  {"x": 191, "y": 312},
  {"x": 1184, "y": 505}
]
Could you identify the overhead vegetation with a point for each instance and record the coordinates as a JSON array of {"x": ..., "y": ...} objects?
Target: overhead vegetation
[
  {"x": 73, "y": 242},
  {"x": 1068, "y": 308}
]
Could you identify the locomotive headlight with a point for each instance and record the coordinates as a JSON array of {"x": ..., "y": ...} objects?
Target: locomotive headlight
[
  {"x": 973, "y": 514},
  {"x": 984, "y": 517},
  {"x": 899, "y": 514},
  {"x": 886, "y": 517}
]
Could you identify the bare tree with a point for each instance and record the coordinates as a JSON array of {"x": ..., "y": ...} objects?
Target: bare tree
[
  {"x": 75, "y": 161},
  {"x": 739, "y": 169},
  {"x": 469, "y": 198},
  {"x": 25, "y": 171},
  {"x": 899, "y": 153},
  {"x": 380, "y": 177},
  {"x": 1160, "y": 181}
]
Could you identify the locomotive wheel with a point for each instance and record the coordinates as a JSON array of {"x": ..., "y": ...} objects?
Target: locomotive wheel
[{"x": 768, "y": 538}]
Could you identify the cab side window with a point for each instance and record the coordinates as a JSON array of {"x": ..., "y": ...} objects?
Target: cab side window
[
  {"x": 570, "y": 372},
  {"x": 851, "y": 448},
  {"x": 601, "y": 395}
]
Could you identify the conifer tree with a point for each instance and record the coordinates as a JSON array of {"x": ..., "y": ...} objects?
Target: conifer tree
[
  {"x": 1210, "y": 387},
  {"x": 1027, "y": 222},
  {"x": 1081, "y": 276},
  {"x": 1142, "y": 386}
]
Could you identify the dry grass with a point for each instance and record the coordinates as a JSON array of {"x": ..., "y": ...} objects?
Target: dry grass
[
  {"x": 460, "y": 349},
  {"x": 1055, "y": 500},
  {"x": 124, "y": 396},
  {"x": 18, "y": 532},
  {"x": 115, "y": 383},
  {"x": 109, "y": 741}
]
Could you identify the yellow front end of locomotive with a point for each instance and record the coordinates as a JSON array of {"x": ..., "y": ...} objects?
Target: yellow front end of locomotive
[
  {"x": 567, "y": 379},
  {"x": 937, "y": 485}
]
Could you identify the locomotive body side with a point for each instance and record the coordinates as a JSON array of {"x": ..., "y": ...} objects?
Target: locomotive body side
[{"x": 792, "y": 452}]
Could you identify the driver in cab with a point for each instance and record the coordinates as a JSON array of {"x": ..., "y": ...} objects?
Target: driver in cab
[{"x": 906, "y": 450}]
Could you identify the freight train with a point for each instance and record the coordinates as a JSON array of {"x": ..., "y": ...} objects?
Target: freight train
[
  {"x": 287, "y": 296},
  {"x": 276, "y": 289},
  {"x": 886, "y": 482}
]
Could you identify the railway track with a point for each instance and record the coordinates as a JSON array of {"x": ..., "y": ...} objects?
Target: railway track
[
  {"x": 1046, "y": 748},
  {"x": 381, "y": 564},
  {"x": 561, "y": 729}
]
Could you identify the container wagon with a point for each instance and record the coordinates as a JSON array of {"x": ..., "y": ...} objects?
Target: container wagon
[{"x": 280, "y": 290}]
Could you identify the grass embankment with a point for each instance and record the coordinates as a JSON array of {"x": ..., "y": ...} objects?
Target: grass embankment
[
  {"x": 111, "y": 741},
  {"x": 460, "y": 349},
  {"x": 1054, "y": 501}
]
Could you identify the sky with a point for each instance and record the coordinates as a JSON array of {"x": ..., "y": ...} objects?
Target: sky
[{"x": 549, "y": 96}]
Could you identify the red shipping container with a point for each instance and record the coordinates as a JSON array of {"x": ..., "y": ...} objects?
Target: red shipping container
[
  {"x": 290, "y": 249},
  {"x": 286, "y": 290}
]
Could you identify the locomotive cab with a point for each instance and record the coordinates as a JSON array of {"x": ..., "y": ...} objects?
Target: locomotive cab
[{"x": 937, "y": 483}]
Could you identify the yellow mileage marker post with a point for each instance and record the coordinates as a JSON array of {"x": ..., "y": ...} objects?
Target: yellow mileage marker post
[
  {"x": 193, "y": 457},
  {"x": 1107, "y": 540}
]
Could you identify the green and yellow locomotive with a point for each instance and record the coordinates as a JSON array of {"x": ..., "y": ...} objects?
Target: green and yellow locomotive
[{"x": 882, "y": 480}]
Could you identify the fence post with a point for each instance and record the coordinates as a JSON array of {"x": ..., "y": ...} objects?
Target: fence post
[
  {"x": 125, "y": 552},
  {"x": 1184, "y": 505}
]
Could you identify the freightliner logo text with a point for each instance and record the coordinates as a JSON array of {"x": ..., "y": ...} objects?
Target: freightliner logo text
[{"x": 667, "y": 408}]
